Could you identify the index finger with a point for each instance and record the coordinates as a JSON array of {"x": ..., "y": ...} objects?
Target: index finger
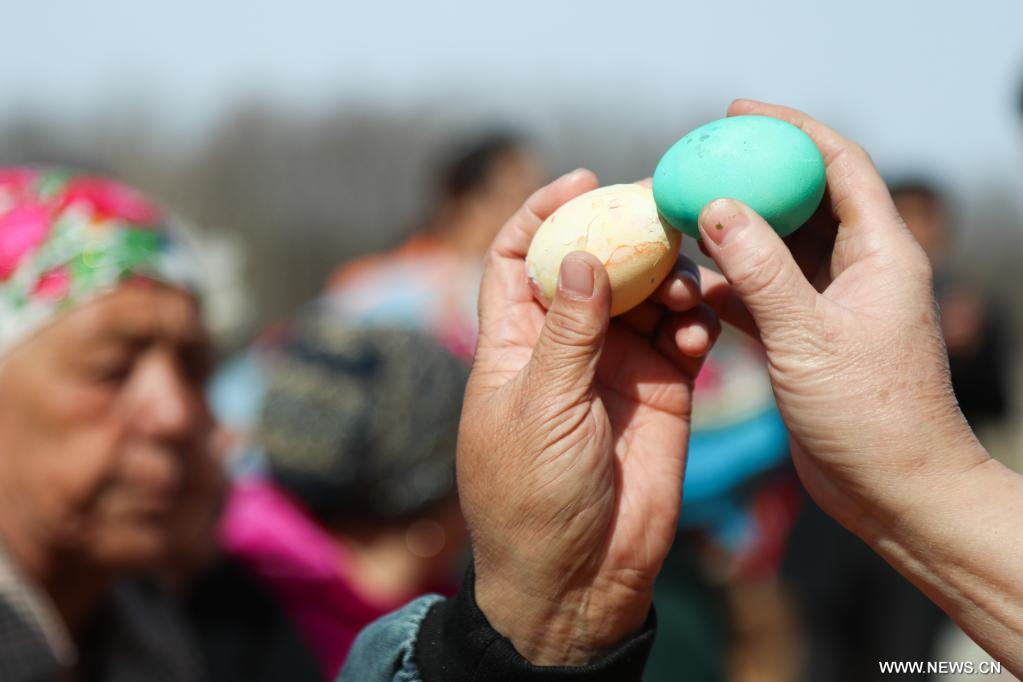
[
  {"x": 505, "y": 284},
  {"x": 514, "y": 238}
]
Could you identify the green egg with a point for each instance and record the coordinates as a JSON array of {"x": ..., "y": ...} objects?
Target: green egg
[{"x": 770, "y": 165}]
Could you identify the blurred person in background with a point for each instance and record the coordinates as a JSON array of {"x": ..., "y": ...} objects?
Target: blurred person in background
[
  {"x": 975, "y": 334},
  {"x": 431, "y": 281},
  {"x": 105, "y": 432},
  {"x": 429, "y": 284},
  {"x": 717, "y": 598},
  {"x": 854, "y": 609},
  {"x": 103, "y": 423},
  {"x": 358, "y": 513},
  {"x": 240, "y": 630}
]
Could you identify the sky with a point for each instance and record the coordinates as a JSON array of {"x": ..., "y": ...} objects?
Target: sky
[{"x": 928, "y": 85}]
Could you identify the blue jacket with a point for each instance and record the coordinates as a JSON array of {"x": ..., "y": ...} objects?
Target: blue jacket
[{"x": 450, "y": 640}]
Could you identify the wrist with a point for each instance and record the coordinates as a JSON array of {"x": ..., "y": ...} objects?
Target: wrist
[
  {"x": 572, "y": 628},
  {"x": 903, "y": 463},
  {"x": 957, "y": 546},
  {"x": 907, "y": 502}
]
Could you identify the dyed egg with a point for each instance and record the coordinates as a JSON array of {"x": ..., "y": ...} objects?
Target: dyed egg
[
  {"x": 770, "y": 165},
  {"x": 619, "y": 225}
]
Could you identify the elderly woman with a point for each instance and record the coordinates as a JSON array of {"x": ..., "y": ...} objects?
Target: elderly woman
[{"x": 104, "y": 427}]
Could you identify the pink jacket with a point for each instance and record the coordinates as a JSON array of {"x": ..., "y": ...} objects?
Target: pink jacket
[{"x": 303, "y": 566}]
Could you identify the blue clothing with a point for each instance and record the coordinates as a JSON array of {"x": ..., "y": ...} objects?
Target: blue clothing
[
  {"x": 451, "y": 640},
  {"x": 383, "y": 651}
]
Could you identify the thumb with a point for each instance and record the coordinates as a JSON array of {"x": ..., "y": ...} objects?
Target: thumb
[
  {"x": 566, "y": 354},
  {"x": 757, "y": 264}
]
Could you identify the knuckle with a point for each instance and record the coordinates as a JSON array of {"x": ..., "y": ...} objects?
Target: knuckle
[
  {"x": 915, "y": 265},
  {"x": 848, "y": 160},
  {"x": 923, "y": 265},
  {"x": 713, "y": 327},
  {"x": 570, "y": 327},
  {"x": 490, "y": 260},
  {"x": 924, "y": 273},
  {"x": 709, "y": 318},
  {"x": 859, "y": 152},
  {"x": 761, "y": 270}
]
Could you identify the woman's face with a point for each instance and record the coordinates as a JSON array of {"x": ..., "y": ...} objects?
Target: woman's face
[{"x": 103, "y": 422}]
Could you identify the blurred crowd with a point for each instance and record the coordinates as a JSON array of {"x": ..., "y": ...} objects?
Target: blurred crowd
[{"x": 171, "y": 514}]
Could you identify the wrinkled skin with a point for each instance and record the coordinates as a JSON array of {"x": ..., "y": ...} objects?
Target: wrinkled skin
[
  {"x": 569, "y": 459},
  {"x": 846, "y": 313},
  {"x": 104, "y": 426},
  {"x": 853, "y": 343},
  {"x": 573, "y": 442}
]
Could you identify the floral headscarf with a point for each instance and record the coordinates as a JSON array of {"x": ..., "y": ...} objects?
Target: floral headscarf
[{"x": 68, "y": 238}]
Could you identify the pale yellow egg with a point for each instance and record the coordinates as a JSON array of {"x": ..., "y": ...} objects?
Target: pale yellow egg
[{"x": 619, "y": 225}]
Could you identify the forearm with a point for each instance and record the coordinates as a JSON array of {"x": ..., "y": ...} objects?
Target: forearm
[{"x": 961, "y": 542}]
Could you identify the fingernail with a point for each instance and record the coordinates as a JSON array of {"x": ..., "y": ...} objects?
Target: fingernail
[
  {"x": 679, "y": 287},
  {"x": 722, "y": 217},
  {"x": 745, "y": 100},
  {"x": 576, "y": 277},
  {"x": 688, "y": 272}
]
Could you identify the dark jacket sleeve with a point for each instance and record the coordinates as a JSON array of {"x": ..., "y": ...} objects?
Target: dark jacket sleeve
[{"x": 456, "y": 643}]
